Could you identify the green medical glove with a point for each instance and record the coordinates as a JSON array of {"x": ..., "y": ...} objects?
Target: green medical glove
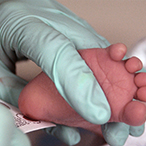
[
  {"x": 66, "y": 134},
  {"x": 116, "y": 134},
  {"x": 24, "y": 19},
  {"x": 50, "y": 35},
  {"x": 10, "y": 87},
  {"x": 9, "y": 134}
]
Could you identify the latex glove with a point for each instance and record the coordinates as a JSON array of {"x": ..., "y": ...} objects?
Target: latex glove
[
  {"x": 9, "y": 134},
  {"x": 50, "y": 35},
  {"x": 116, "y": 134},
  {"x": 10, "y": 87},
  {"x": 29, "y": 29}
]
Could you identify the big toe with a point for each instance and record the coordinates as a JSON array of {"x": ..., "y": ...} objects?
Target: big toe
[
  {"x": 134, "y": 113},
  {"x": 117, "y": 51}
]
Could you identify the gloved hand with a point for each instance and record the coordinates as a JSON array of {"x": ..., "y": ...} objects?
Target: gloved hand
[
  {"x": 9, "y": 134},
  {"x": 49, "y": 34}
]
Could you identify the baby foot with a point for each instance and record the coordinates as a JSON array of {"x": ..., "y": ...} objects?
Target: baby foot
[
  {"x": 41, "y": 100},
  {"x": 117, "y": 81}
]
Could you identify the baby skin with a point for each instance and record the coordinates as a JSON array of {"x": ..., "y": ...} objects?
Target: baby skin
[{"x": 41, "y": 100}]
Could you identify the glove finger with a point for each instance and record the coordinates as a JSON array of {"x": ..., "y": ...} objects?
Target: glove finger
[
  {"x": 73, "y": 27},
  {"x": 9, "y": 134},
  {"x": 115, "y": 133},
  {"x": 77, "y": 31},
  {"x": 19, "y": 138},
  {"x": 62, "y": 63},
  {"x": 86, "y": 35},
  {"x": 66, "y": 134},
  {"x": 7, "y": 126},
  {"x": 10, "y": 85},
  {"x": 137, "y": 131}
]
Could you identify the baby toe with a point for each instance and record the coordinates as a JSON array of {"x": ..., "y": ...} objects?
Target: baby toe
[
  {"x": 133, "y": 65},
  {"x": 141, "y": 94},
  {"x": 117, "y": 51},
  {"x": 140, "y": 79},
  {"x": 134, "y": 113}
]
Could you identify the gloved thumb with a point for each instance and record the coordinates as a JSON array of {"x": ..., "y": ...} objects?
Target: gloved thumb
[
  {"x": 115, "y": 134},
  {"x": 9, "y": 134},
  {"x": 66, "y": 134}
]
